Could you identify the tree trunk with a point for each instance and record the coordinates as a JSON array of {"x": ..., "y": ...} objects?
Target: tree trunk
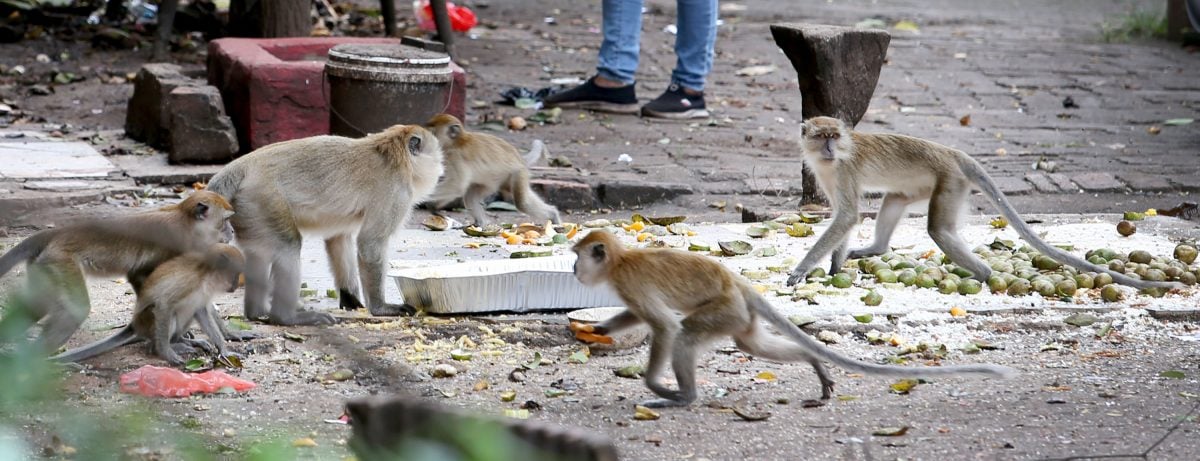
[{"x": 286, "y": 18}]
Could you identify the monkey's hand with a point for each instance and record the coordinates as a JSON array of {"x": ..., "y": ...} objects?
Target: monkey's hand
[
  {"x": 393, "y": 310},
  {"x": 240, "y": 336},
  {"x": 590, "y": 333}
]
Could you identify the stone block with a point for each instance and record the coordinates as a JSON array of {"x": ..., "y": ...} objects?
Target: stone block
[
  {"x": 1098, "y": 182},
  {"x": 200, "y": 130},
  {"x": 145, "y": 119},
  {"x": 1042, "y": 183},
  {"x": 275, "y": 89},
  {"x": 566, "y": 195},
  {"x": 838, "y": 67},
  {"x": 1063, "y": 182},
  {"x": 625, "y": 194},
  {"x": 1142, "y": 182}
]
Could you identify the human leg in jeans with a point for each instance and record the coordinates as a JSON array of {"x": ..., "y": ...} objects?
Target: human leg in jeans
[
  {"x": 611, "y": 89},
  {"x": 694, "y": 43}
]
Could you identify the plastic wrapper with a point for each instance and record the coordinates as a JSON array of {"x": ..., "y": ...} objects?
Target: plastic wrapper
[
  {"x": 462, "y": 18},
  {"x": 152, "y": 381}
]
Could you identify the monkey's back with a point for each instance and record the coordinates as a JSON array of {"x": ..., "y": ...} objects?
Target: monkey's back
[{"x": 682, "y": 280}]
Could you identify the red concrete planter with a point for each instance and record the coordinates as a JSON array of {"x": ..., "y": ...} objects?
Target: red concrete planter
[{"x": 274, "y": 89}]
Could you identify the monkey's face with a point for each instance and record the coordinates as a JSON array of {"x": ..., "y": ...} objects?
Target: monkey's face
[
  {"x": 590, "y": 259},
  {"x": 826, "y": 138},
  {"x": 212, "y": 213},
  {"x": 425, "y": 156}
]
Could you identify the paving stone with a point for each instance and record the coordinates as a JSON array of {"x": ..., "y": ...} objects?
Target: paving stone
[
  {"x": 154, "y": 169},
  {"x": 64, "y": 186},
  {"x": 1189, "y": 182},
  {"x": 1063, "y": 182},
  {"x": 1042, "y": 183},
  {"x": 1143, "y": 182},
  {"x": 1098, "y": 182},
  {"x": 37, "y": 160},
  {"x": 1012, "y": 186}
]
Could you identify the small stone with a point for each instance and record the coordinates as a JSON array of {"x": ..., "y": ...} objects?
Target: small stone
[
  {"x": 829, "y": 337},
  {"x": 517, "y": 123},
  {"x": 444, "y": 371}
]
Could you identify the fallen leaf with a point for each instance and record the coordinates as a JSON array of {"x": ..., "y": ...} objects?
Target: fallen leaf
[
  {"x": 891, "y": 431},
  {"x": 537, "y": 360},
  {"x": 765, "y": 376},
  {"x": 580, "y": 356},
  {"x": 1173, "y": 374},
  {"x": 508, "y": 396},
  {"x": 906, "y": 26},
  {"x": 1081, "y": 319},
  {"x": 293, "y": 337},
  {"x": 903, "y": 386},
  {"x": 748, "y": 416}
]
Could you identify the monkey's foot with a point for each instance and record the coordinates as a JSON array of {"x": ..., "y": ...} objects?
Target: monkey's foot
[
  {"x": 665, "y": 403},
  {"x": 301, "y": 317},
  {"x": 394, "y": 310},
  {"x": 867, "y": 252},
  {"x": 347, "y": 300},
  {"x": 191, "y": 346},
  {"x": 794, "y": 278}
]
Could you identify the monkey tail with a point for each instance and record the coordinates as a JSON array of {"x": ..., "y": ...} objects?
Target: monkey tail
[
  {"x": 974, "y": 171},
  {"x": 819, "y": 350},
  {"x": 529, "y": 202},
  {"x": 121, "y": 338},
  {"x": 227, "y": 181},
  {"x": 536, "y": 152},
  {"x": 27, "y": 250}
]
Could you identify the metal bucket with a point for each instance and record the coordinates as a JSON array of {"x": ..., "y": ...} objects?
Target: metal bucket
[{"x": 374, "y": 86}]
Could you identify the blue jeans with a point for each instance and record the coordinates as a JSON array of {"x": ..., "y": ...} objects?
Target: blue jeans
[{"x": 697, "y": 24}]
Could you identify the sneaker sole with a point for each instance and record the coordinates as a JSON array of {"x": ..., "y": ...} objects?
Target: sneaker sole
[
  {"x": 600, "y": 106},
  {"x": 687, "y": 114}
]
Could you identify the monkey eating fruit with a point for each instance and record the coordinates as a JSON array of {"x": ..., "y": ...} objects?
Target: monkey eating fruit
[
  {"x": 908, "y": 170},
  {"x": 176, "y": 293},
  {"x": 478, "y": 165},
  {"x": 132, "y": 246},
  {"x": 353, "y": 193},
  {"x": 656, "y": 283}
]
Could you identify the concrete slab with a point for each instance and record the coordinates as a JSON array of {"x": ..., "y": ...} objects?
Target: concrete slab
[
  {"x": 154, "y": 169},
  {"x": 38, "y": 160}
]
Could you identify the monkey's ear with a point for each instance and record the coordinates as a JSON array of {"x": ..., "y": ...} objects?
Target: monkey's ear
[
  {"x": 804, "y": 129},
  {"x": 201, "y": 211},
  {"x": 454, "y": 131},
  {"x": 414, "y": 145},
  {"x": 598, "y": 251}
]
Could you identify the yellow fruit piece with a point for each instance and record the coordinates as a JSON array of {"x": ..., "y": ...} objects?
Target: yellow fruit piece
[
  {"x": 513, "y": 240},
  {"x": 957, "y": 311},
  {"x": 765, "y": 376},
  {"x": 637, "y": 226},
  {"x": 1151, "y": 212},
  {"x": 691, "y": 233},
  {"x": 641, "y": 413},
  {"x": 896, "y": 340},
  {"x": 642, "y": 237},
  {"x": 529, "y": 241},
  {"x": 760, "y": 288},
  {"x": 471, "y": 245},
  {"x": 531, "y": 234},
  {"x": 507, "y": 234},
  {"x": 571, "y": 233},
  {"x": 304, "y": 442}
]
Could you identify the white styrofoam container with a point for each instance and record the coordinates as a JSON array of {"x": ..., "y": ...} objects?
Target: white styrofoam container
[{"x": 516, "y": 285}]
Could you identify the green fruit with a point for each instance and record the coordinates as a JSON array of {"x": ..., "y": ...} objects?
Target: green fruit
[
  {"x": 1155, "y": 292},
  {"x": 961, "y": 272},
  {"x": 816, "y": 274},
  {"x": 841, "y": 280},
  {"x": 1111, "y": 294},
  {"x": 952, "y": 277},
  {"x": 1002, "y": 266},
  {"x": 1044, "y": 287},
  {"x": 1019, "y": 287},
  {"x": 1085, "y": 281},
  {"x": 1140, "y": 256},
  {"x": 1046, "y": 263},
  {"x": 970, "y": 287},
  {"x": 1134, "y": 216},
  {"x": 907, "y": 276},
  {"x": 1185, "y": 253},
  {"x": 1173, "y": 273},
  {"x": 1066, "y": 287},
  {"x": 1187, "y": 278},
  {"x": 889, "y": 256},
  {"x": 1155, "y": 275},
  {"x": 885, "y": 276},
  {"x": 1102, "y": 280},
  {"x": 936, "y": 273},
  {"x": 872, "y": 298},
  {"x": 997, "y": 283},
  {"x": 1027, "y": 274},
  {"x": 1116, "y": 265},
  {"x": 1097, "y": 260},
  {"x": 924, "y": 280},
  {"x": 906, "y": 263},
  {"x": 1126, "y": 228},
  {"x": 947, "y": 287},
  {"x": 1056, "y": 277}
]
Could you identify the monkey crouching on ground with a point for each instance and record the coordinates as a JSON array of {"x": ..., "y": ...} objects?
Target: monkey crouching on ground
[
  {"x": 478, "y": 165},
  {"x": 57, "y": 260},
  {"x": 176, "y": 293},
  {"x": 353, "y": 193},
  {"x": 908, "y": 170},
  {"x": 715, "y": 303}
]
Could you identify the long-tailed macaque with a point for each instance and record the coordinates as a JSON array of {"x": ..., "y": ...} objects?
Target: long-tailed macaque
[
  {"x": 908, "y": 170},
  {"x": 655, "y": 283},
  {"x": 478, "y": 165},
  {"x": 58, "y": 259},
  {"x": 176, "y": 293},
  {"x": 353, "y": 193}
]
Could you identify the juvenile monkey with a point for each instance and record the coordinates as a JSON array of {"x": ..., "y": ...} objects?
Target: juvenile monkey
[
  {"x": 178, "y": 292},
  {"x": 353, "y": 193},
  {"x": 656, "y": 283},
  {"x": 59, "y": 259},
  {"x": 908, "y": 170},
  {"x": 478, "y": 165}
]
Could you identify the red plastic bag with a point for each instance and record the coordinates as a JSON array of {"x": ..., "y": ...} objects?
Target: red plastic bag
[
  {"x": 462, "y": 18},
  {"x": 152, "y": 381}
]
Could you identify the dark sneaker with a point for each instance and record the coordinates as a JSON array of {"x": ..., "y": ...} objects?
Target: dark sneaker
[
  {"x": 590, "y": 96},
  {"x": 677, "y": 104}
]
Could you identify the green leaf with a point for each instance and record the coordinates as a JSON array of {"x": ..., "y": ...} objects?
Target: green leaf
[
  {"x": 238, "y": 323},
  {"x": 537, "y": 361},
  {"x": 195, "y": 365},
  {"x": 1179, "y": 121},
  {"x": 1173, "y": 374},
  {"x": 891, "y": 431}
]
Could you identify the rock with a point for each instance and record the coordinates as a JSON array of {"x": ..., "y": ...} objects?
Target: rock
[
  {"x": 444, "y": 371},
  {"x": 200, "y": 131},
  {"x": 145, "y": 119},
  {"x": 829, "y": 337},
  {"x": 838, "y": 66},
  {"x": 40, "y": 90}
]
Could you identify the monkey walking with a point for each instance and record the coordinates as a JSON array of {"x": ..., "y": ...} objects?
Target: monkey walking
[
  {"x": 58, "y": 259},
  {"x": 176, "y": 293},
  {"x": 478, "y": 165},
  {"x": 353, "y": 193},
  {"x": 654, "y": 282},
  {"x": 908, "y": 170}
]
